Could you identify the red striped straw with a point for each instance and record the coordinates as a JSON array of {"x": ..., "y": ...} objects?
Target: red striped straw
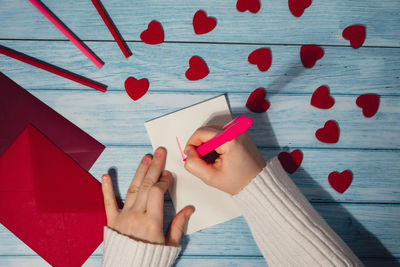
[
  {"x": 67, "y": 32},
  {"x": 51, "y": 68},
  {"x": 112, "y": 28}
]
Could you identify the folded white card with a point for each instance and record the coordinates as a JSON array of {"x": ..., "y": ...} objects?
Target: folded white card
[{"x": 212, "y": 206}]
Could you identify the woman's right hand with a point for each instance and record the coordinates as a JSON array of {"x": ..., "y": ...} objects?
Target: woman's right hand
[{"x": 238, "y": 163}]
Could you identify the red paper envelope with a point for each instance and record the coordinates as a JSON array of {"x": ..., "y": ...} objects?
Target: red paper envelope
[
  {"x": 18, "y": 108},
  {"x": 49, "y": 202}
]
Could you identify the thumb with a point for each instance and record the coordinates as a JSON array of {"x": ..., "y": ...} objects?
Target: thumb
[
  {"x": 177, "y": 227},
  {"x": 198, "y": 166}
]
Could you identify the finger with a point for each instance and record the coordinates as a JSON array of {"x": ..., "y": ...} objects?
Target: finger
[
  {"x": 199, "y": 167},
  {"x": 177, "y": 227},
  {"x": 155, "y": 202},
  {"x": 203, "y": 135},
  {"x": 110, "y": 202},
  {"x": 137, "y": 180},
  {"x": 151, "y": 177}
]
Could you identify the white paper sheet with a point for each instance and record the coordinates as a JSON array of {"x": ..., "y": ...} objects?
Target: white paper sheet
[{"x": 212, "y": 206}]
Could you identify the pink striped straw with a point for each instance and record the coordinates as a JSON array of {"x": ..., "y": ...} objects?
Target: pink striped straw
[{"x": 67, "y": 32}]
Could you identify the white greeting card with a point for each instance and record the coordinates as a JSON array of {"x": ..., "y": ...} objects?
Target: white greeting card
[{"x": 212, "y": 206}]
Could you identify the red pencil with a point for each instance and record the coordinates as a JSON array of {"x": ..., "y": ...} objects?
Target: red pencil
[
  {"x": 51, "y": 68},
  {"x": 111, "y": 27}
]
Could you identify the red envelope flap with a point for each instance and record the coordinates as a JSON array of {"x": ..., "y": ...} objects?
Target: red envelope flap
[
  {"x": 18, "y": 108},
  {"x": 62, "y": 218}
]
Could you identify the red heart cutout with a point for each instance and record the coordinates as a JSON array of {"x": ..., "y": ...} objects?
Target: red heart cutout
[
  {"x": 340, "y": 181},
  {"x": 369, "y": 104},
  {"x": 154, "y": 34},
  {"x": 291, "y": 161},
  {"x": 329, "y": 134},
  {"x": 355, "y": 34},
  {"x": 309, "y": 54},
  {"x": 256, "y": 101},
  {"x": 321, "y": 98},
  {"x": 297, "y": 7},
  {"x": 203, "y": 24},
  {"x": 197, "y": 69},
  {"x": 251, "y": 5},
  {"x": 262, "y": 58},
  {"x": 136, "y": 88}
]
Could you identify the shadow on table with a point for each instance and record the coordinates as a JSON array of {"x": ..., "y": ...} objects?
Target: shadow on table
[{"x": 364, "y": 244}]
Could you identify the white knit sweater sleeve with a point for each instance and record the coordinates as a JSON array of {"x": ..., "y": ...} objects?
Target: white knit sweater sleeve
[
  {"x": 123, "y": 251},
  {"x": 286, "y": 228}
]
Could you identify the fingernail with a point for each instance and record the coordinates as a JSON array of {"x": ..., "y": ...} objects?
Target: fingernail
[
  {"x": 188, "y": 213},
  {"x": 165, "y": 174},
  {"x": 146, "y": 160},
  {"x": 157, "y": 153},
  {"x": 104, "y": 179}
]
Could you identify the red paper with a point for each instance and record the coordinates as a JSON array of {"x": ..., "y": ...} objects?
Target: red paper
[
  {"x": 340, "y": 181},
  {"x": 329, "y": 134},
  {"x": 256, "y": 101},
  {"x": 291, "y": 161},
  {"x": 18, "y": 108},
  {"x": 355, "y": 34},
  {"x": 297, "y": 7},
  {"x": 262, "y": 58},
  {"x": 154, "y": 34},
  {"x": 197, "y": 69},
  {"x": 369, "y": 103},
  {"x": 321, "y": 98},
  {"x": 49, "y": 202},
  {"x": 309, "y": 54},
  {"x": 251, "y": 5},
  {"x": 203, "y": 24},
  {"x": 136, "y": 88}
]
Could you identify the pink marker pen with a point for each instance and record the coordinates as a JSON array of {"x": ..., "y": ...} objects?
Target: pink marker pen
[{"x": 233, "y": 129}]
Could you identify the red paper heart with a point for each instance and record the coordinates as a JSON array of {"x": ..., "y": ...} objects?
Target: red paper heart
[
  {"x": 297, "y": 7},
  {"x": 321, "y": 98},
  {"x": 355, "y": 34},
  {"x": 369, "y": 104},
  {"x": 136, "y": 88},
  {"x": 256, "y": 101},
  {"x": 154, "y": 34},
  {"x": 203, "y": 24},
  {"x": 262, "y": 58},
  {"x": 340, "y": 181},
  {"x": 197, "y": 69},
  {"x": 251, "y": 5},
  {"x": 329, "y": 134},
  {"x": 309, "y": 54},
  {"x": 291, "y": 161}
]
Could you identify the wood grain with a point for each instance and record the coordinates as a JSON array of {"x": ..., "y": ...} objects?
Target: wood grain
[
  {"x": 366, "y": 216},
  {"x": 114, "y": 119},
  {"x": 95, "y": 261},
  {"x": 364, "y": 227},
  {"x": 370, "y": 183},
  {"x": 343, "y": 69},
  {"x": 322, "y": 23}
]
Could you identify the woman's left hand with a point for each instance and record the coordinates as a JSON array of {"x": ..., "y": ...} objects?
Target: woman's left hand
[{"x": 141, "y": 217}]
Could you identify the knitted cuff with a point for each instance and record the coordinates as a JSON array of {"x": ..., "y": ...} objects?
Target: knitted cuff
[
  {"x": 286, "y": 227},
  {"x": 121, "y": 251}
]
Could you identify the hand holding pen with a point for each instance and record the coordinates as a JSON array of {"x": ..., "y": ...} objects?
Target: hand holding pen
[{"x": 239, "y": 159}]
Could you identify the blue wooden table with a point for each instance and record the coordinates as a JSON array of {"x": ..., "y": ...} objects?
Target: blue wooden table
[{"x": 366, "y": 216}]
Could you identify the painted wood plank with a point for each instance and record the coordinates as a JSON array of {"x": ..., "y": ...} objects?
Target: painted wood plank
[
  {"x": 322, "y": 23},
  {"x": 370, "y": 230},
  {"x": 114, "y": 119},
  {"x": 370, "y": 183},
  {"x": 95, "y": 261},
  {"x": 343, "y": 69}
]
